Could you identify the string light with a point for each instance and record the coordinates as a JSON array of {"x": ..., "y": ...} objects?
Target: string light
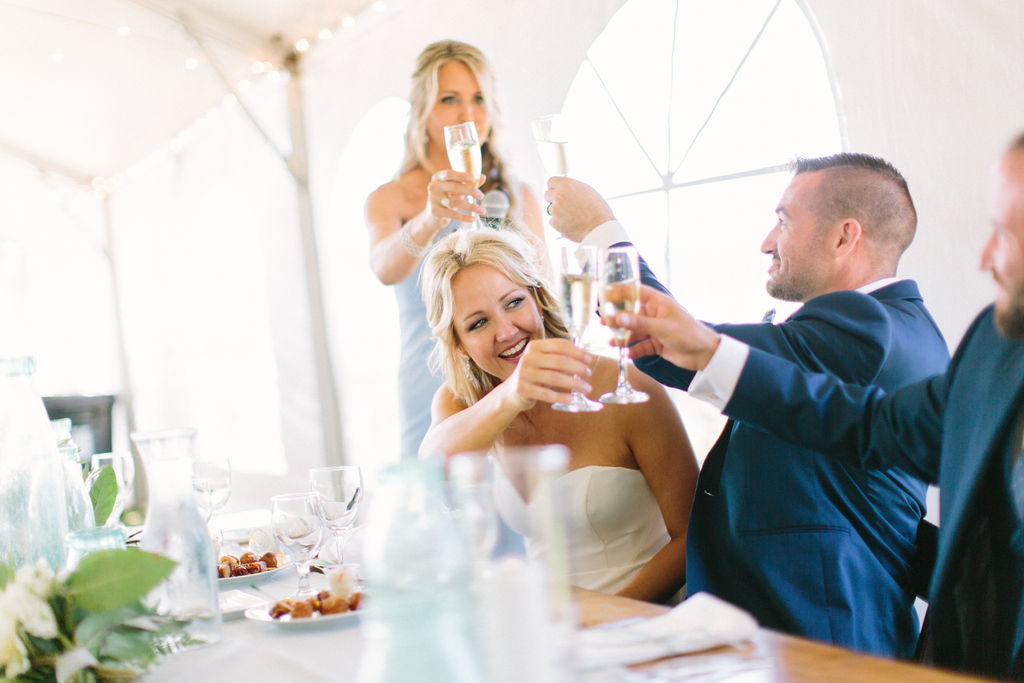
[{"x": 101, "y": 186}]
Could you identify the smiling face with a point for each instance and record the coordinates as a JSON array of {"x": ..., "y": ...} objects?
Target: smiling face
[
  {"x": 494, "y": 319},
  {"x": 459, "y": 100},
  {"x": 1003, "y": 255},
  {"x": 799, "y": 269}
]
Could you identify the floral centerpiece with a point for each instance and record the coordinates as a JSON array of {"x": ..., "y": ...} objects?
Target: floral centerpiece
[{"x": 87, "y": 625}]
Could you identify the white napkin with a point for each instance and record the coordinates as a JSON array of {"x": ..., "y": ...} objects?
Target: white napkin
[{"x": 701, "y": 622}]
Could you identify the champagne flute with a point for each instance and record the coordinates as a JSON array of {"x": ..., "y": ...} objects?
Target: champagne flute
[
  {"x": 620, "y": 293},
  {"x": 340, "y": 489},
  {"x": 211, "y": 483},
  {"x": 579, "y": 279},
  {"x": 551, "y": 135},
  {"x": 464, "y": 153},
  {"x": 295, "y": 519}
]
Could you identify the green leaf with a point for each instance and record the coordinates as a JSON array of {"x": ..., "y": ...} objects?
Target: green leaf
[
  {"x": 94, "y": 625},
  {"x": 6, "y": 574},
  {"x": 111, "y": 578},
  {"x": 103, "y": 494}
]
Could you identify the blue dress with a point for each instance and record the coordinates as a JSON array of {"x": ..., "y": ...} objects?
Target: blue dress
[{"x": 416, "y": 383}]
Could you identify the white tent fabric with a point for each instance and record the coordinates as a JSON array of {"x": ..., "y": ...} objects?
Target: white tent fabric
[{"x": 205, "y": 243}]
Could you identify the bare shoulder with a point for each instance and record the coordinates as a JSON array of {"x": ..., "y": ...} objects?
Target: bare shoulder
[{"x": 445, "y": 403}]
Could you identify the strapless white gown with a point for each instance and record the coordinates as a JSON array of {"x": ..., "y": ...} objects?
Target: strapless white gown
[{"x": 613, "y": 524}]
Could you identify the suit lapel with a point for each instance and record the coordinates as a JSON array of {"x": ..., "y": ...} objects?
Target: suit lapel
[{"x": 997, "y": 386}]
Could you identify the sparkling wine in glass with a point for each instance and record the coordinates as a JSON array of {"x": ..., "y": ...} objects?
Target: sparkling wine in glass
[
  {"x": 551, "y": 135},
  {"x": 579, "y": 265},
  {"x": 296, "y": 522},
  {"x": 620, "y": 293},
  {"x": 340, "y": 489},
  {"x": 464, "y": 152}
]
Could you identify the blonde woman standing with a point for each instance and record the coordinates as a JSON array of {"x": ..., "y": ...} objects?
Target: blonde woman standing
[{"x": 453, "y": 83}]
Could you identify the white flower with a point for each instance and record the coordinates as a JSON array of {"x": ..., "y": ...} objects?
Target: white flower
[
  {"x": 36, "y": 578},
  {"x": 13, "y": 657},
  {"x": 33, "y": 612}
]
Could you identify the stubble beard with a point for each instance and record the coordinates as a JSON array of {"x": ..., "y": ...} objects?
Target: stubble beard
[
  {"x": 784, "y": 289},
  {"x": 1010, "y": 319}
]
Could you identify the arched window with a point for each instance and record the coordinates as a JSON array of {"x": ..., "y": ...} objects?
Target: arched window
[{"x": 685, "y": 114}]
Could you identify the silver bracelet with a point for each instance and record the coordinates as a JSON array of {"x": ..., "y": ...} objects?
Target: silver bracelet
[{"x": 405, "y": 234}]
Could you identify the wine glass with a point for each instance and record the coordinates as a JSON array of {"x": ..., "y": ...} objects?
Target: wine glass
[
  {"x": 620, "y": 293},
  {"x": 295, "y": 519},
  {"x": 211, "y": 483},
  {"x": 471, "y": 502},
  {"x": 124, "y": 475},
  {"x": 579, "y": 266},
  {"x": 464, "y": 152},
  {"x": 551, "y": 135},
  {"x": 340, "y": 489}
]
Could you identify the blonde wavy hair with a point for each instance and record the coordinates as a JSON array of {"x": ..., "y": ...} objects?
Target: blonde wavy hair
[
  {"x": 423, "y": 96},
  {"x": 509, "y": 253}
]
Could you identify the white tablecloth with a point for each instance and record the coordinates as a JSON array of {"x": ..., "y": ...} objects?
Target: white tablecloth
[{"x": 250, "y": 650}]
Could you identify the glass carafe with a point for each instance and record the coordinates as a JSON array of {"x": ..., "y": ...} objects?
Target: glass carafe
[
  {"x": 33, "y": 514},
  {"x": 419, "y": 617},
  {"x": 175, "y": 528}
]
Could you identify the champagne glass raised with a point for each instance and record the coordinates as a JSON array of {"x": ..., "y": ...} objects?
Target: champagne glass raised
[
  {"x": 296, "y": 522},
  {"x": 620, "y": 293},
  {"x": 579, "y": 265},
  {"x": 551, "y": 135},
  {"x": 463, "y": 147}
]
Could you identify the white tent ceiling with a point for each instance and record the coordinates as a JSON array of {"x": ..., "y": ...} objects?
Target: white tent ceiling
[{"x": 91, "y": 88}]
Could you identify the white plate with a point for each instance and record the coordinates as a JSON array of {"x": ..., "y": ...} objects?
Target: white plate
[
  {"x": 262, "y": 613},
  {"x": 234, "y": 603},
  {"x": 282, "y": 565}
]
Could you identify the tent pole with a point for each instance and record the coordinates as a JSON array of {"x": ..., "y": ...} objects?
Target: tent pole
[
  {"x": 298, "y": 163},
  {"x": 126, "y": 395},
  {"x": 298, "y": 166}
]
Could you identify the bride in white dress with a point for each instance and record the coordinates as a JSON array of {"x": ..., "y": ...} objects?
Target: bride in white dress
[{"x": 506, "y": 357}]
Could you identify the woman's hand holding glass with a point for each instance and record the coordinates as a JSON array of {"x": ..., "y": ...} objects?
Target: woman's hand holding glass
[
  {"x": 549, "y": 371},
  {"x": 297, "y": 525},
  {"x": 450, "y": 196}
]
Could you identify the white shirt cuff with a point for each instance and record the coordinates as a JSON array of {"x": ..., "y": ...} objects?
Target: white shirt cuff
[
  {"x": 716, "y": 383},
  {"x": 605, "y": 235}
]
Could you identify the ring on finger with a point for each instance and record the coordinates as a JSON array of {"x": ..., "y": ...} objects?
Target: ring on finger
[
  {"x": 548, "y": 210},
  {"x": 445, "y": 202}
]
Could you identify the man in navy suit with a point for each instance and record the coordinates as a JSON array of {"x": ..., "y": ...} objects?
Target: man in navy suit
[
  {"x": 807, "y": 544},
  {"x": 962, "y": 429}
]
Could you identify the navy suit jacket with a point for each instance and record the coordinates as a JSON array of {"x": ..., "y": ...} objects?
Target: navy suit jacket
[
  {"x": 956, "y": 430},
  {"x": 807, "y": 544}
]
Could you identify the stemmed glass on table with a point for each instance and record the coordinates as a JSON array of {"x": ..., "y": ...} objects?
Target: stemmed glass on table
[
  {"x": 620, "y": 293},
  {"x": 296, "y": 522},
  {"x": 464, "y": 153},
  {"x": 211, "y": 483},
  {"x": 471, "y": 503},
  {"x": 579, "y": 273},
  {"x": 340, "y": 489}
]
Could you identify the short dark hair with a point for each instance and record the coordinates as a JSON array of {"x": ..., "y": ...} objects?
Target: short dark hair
[{"x": 869, "y": 189}]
